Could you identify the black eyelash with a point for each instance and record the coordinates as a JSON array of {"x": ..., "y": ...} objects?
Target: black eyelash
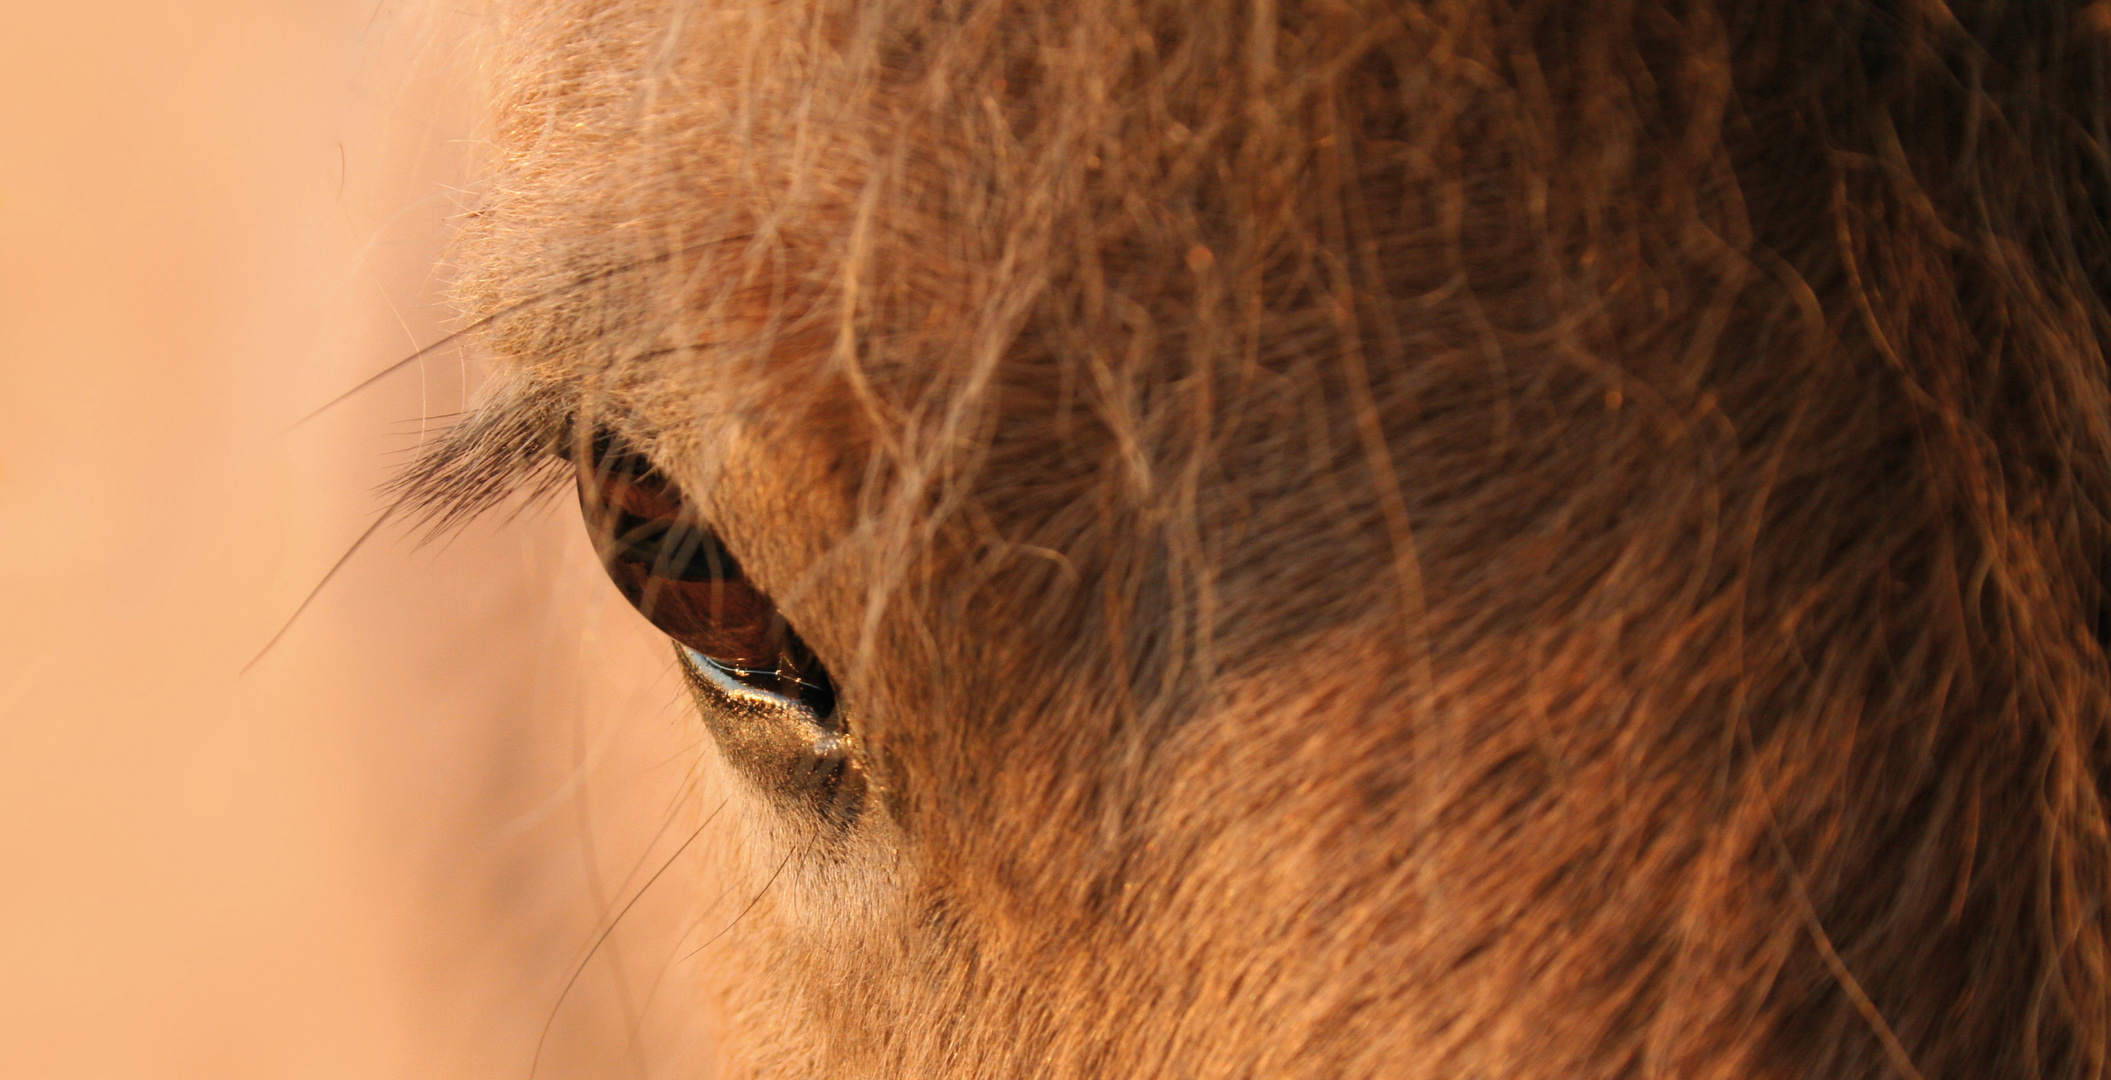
[
  {"x": 779, "y": 725},
  {"x": 519, "y": 438}
]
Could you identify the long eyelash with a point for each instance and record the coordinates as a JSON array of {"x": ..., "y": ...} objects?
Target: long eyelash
[
  {"x": 520, "y": 438},
  {"x": 507, "y": 444},
  {"x": 514, "y": 440}
]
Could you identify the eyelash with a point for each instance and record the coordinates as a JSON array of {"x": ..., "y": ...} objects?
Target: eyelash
[{"x": 681, "y": 578}]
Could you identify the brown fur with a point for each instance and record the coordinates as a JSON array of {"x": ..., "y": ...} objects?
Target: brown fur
[{"x": 1472, "y": 539}]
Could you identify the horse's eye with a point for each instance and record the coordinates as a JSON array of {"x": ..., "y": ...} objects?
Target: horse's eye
[{"x": 679, "y": 576}]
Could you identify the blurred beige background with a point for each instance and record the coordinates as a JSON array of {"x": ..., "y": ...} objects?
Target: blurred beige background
[{"x": 382, "y": 851}]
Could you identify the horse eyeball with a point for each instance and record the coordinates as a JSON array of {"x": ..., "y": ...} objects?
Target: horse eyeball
[{"x": 671, "y": 567}]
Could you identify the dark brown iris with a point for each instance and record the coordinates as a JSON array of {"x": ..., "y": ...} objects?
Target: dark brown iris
[{"x": 680, "y": 577}]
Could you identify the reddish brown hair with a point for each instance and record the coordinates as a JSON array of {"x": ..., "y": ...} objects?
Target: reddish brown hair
[{"x": 1365, "y": 539}]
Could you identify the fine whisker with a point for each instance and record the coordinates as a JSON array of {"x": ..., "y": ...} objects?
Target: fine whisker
[
  {"x": 502, "y": 314},
  {"x": 320, "y": 585},
  {"x": 580, "y": 968},
  {"x": 756, "y": 899}
]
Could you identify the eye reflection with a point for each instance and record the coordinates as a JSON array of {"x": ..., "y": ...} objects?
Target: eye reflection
[{"x": 678, "y": 575}]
